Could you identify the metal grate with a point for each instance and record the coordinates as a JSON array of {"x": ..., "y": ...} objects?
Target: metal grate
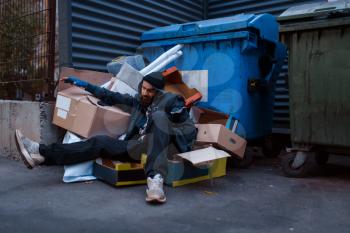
[
  {"x": 281, "y": 104},
  {"x": 27, "y": 47}
]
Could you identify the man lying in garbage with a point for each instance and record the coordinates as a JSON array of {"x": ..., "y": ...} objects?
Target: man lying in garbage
[{"x": 158, "y": 118}]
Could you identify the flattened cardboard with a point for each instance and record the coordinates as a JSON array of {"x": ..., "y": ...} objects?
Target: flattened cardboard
[
  {"x": 86, "y": 118},
  {"x": 93, "y": 77},
  {"x": 207, "y": 116},
  {"x": 203, "y": 156},
  {"x": 221, "y": 137}
]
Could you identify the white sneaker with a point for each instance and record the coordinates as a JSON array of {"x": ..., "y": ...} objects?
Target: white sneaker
[
  {"x": 29, "y": 150},
  {"x": 155, "y": 192}
]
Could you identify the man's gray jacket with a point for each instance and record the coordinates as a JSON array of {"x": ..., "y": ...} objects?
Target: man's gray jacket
[{"x": 182, "y": 127}]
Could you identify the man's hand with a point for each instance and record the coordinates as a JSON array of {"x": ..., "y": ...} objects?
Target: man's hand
[{"x": 75, "y": 81}]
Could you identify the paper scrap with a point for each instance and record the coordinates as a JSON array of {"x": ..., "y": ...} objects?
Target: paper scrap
[
  {"x": 63, "y": 102},
  {"x": 62, "y": 114}
]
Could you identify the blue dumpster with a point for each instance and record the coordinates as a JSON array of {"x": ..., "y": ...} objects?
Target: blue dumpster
[{"x": 242, "y": 55}]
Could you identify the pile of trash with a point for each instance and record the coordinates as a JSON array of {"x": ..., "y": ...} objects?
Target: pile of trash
[{"x": 83, "y": 117}]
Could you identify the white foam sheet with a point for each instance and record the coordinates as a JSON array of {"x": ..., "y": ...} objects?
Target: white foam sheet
[
  {"x": 123, "y": 88},
  {"x": 130, "y": 76},
  {"x": 77, "y": 172}
]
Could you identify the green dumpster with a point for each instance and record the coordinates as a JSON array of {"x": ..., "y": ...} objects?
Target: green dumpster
[{"x": 318, "y": 39}]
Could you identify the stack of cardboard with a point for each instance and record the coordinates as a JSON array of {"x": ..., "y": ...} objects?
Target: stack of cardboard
[
  {"x": 205, "y": 163},
  {"x": 79, "y": 112},
  {"x": 187, "y": 168}
]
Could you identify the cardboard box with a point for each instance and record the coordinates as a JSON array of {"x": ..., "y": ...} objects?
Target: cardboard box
[
  {"x": 222, "y": 137},
  {"x": 118, "y": 173},
  {"x": 93, "y": 77},
  {"x": 77, "y": 111},
  {"x": 195, "y": 166},
  {"x": 184, "y": 172}
]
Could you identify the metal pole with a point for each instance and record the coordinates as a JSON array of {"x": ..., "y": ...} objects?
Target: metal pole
[{"x": 51, "y": 41}]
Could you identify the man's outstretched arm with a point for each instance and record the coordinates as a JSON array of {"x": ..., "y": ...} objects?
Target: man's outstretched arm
[{"x": 106, "y": 96}]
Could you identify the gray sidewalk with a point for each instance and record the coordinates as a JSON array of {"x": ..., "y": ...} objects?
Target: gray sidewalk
[{"x": 259, "y": 199}]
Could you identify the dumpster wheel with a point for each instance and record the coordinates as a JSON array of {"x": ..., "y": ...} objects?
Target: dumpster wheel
[
  {"x": 289, "y": 171},
  {"x": 271, "y": 147}
]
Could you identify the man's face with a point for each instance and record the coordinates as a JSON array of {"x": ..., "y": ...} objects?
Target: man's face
[{"x": 147, "y": 93}]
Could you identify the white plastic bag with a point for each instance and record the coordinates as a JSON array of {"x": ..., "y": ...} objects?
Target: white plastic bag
[{"x": 77, "y": 172}]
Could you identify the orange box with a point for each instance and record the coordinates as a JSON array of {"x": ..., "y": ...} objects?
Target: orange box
[{"x": 174, "y": 84}]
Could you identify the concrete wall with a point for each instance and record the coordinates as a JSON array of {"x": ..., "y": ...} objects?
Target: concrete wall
[{"x": 32, "y": 118}]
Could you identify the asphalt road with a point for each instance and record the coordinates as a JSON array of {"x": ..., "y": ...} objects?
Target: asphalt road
[{"x": 259, "y": 199}]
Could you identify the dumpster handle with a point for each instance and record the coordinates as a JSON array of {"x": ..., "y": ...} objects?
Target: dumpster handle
[
  {"x": 189, "y": 27},
  {"x": 268, "y": 77},
  {"x": 278, "y": 60}
]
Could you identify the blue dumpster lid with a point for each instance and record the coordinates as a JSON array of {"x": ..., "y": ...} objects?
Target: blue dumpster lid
[{"x": 265, "y": 23}]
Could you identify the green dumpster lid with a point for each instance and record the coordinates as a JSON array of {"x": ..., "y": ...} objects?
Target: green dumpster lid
[{"x": 316, "y": 10}]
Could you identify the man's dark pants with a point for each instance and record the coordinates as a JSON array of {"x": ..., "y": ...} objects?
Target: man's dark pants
[{"x": 154, "y": 144}]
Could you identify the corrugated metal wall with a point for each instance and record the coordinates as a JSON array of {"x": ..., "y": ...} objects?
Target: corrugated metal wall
[
  {"x": 281, "y": 104},
  {"x": 105, "y": 29},
  {"x": 219, "y": 8}
]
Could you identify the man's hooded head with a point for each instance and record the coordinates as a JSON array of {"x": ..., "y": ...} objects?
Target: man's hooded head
[{"x": 149, "y": 86}]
